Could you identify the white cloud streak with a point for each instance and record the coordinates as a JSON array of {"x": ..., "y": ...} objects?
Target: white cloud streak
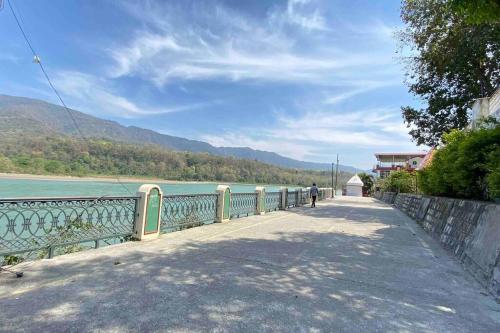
[
  {"x": 95, "y": 96},
  {"x": 217, "y": 43}
]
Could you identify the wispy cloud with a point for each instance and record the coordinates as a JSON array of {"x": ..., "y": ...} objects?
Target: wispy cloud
[
  {"x": 95, "y": 95},
  {"x": 302, "y": 13},
  {"x": 312, "y": 135},
  {"x": 218, "y": 43}
]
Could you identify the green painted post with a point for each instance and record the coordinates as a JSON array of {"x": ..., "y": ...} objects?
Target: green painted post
[
  {"x": 227, "y": 204},
  {"x": 147, "y": 219},
  {"x": 152, "y": 211}
]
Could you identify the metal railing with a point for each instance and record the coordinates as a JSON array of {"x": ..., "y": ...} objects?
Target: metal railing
[
  {"x": 186, "y": 211},
  {"x": 243, "y": 204},
  {"x": 291, "y": 199},
  {"x": 44, "y": 227},
  {"x": 273, "y": 201},
  {"x": 304, "y": 197},
  {"x": 52, "y": 226}
]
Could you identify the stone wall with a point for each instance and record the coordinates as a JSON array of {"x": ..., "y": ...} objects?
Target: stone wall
[{"x": 469, "y": 229}]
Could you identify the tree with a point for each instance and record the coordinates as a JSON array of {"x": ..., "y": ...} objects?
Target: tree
[
  {"x": 400, "y": 182},
  {"x": 451, "y": 63},
  {"x": 477, "y": 11},
  {"x": 368, "y": 182}
]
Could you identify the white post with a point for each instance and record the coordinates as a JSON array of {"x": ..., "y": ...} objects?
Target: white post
[
  {"x": 284, "y": 194},
  {"x": 147, "y": 219},
  {"x": 261, "y": 200},
  {"x": 223, "y": 203}
]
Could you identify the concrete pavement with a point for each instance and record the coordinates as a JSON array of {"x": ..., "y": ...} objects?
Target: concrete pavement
[{"x": 351, "y": 264}]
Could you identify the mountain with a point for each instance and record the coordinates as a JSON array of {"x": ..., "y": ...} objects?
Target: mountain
[{"x": 21, "y": 115}]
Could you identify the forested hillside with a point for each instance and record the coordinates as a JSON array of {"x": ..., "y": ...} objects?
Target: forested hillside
[
  {"x": 60, "y": 155},
  {"x": 36, "y": 117}
]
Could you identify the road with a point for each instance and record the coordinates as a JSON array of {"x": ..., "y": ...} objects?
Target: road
[{"x": 351, "y": 264}]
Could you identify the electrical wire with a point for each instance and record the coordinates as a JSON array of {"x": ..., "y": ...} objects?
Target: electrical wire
[{"x": 37, "y": 60}]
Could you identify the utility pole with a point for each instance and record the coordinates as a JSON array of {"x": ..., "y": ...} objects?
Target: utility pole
[
  {"x": 336, "y": 174},
  {"x": 332, "y": 177}
]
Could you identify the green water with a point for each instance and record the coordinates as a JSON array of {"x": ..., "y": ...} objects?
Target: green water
[{"x": 16, "y": 188}]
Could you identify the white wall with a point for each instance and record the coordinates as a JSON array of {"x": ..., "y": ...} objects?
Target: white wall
[{"x": 354, "y": 191}]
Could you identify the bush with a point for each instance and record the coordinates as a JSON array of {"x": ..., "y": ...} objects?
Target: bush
[
  {"x": 368, "y": 182},
  {"x": 468, "y": 166},
  {"x": 400, "y": 182}
]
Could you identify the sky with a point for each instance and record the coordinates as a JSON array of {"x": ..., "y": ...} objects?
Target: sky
[{"x": 303, "y": 78}]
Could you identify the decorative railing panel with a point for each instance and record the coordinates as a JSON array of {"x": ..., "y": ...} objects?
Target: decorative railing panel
[
  {"x": 273, "y": 201},
  {"x": 304, "y": 196},
  {"x": 49, "y": 224},
  {"x": 187, "y": 211},
  {"x": 291, "y": 200},
  {"x": 243, "y": 204}
]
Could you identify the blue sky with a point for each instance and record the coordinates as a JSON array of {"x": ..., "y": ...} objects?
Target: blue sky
[{"x": 306, "y": 79}]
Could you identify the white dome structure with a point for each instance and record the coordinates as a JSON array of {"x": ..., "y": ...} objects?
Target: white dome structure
[{"x": 354, "y": 187}]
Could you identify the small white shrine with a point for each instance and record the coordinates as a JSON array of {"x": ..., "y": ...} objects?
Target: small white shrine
[{"x": 354, "y": 187}]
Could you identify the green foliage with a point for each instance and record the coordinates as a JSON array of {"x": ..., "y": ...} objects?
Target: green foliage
[
  {"x": 69, "y": 156},
  {"x": 400, "y": 182},
  {"x": 368, "y": 182},
  {"x": 477, "y": 11},
  {"x": 467, "y": 167},
  {"x": 11, "y": 260},
  {"x": 493, "y": 178},
  {"x": 451, "y": 62}
]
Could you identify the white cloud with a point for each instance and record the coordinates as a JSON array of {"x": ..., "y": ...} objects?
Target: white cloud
[
  {"x": 287, "y": 148},
  {"x": 303, "y": 13},
  {"x": 95, "y": 96},
  {"x": 314, "y": 135},
  {"x": 218, "y": 43}
]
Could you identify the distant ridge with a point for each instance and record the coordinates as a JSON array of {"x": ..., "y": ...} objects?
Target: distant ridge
[{"x": 21, "y": 115}]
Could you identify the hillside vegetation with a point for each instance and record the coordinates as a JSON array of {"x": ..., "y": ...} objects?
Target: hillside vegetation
[
  {"x": 61, "y": 155},
  {"x": 35, "y": 117}
]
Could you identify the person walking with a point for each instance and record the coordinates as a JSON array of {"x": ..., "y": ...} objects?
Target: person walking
[{"x": 314, "y": 194}]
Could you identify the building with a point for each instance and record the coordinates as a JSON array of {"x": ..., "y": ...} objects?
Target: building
[
  {"x": 354, "y": 187},
  {"x": 485, "y": 107},
  {"x": 389, "y": 162}
]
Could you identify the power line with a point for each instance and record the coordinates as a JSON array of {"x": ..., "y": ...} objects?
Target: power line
[{"x": 37, "y": 60}]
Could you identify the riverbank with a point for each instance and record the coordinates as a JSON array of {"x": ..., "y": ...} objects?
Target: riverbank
[{"x": 110, "y": 179}]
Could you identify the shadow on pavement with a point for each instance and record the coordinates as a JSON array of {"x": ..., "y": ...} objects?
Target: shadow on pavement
[{"x": 292, "y": 281}]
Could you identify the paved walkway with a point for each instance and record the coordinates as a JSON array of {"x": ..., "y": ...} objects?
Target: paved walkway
[{"x": 353, "y": 265}]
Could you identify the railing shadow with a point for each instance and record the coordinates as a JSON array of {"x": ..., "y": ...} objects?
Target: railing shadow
[{"x": 287, "y": 281}]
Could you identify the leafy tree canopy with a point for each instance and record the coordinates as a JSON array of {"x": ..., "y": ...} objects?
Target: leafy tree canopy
[
  {"x": 477, "y": 11},
  {"x": 368, "y": 182},
  {"x": 400, "y": 182},
  {"x": 452, "y": 61}
]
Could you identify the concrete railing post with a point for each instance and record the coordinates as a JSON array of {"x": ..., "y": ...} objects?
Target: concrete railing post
[
  {"x": 284, "y": 197},
  {"x": 223, "y": 203},
  {"x": 148, "y": 214},
  {"x": 261, "y": 200},
  {"x": 308, "y": 196}
]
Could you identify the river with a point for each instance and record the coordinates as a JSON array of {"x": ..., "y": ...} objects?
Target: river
[{"x": 25, "y": 188}]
